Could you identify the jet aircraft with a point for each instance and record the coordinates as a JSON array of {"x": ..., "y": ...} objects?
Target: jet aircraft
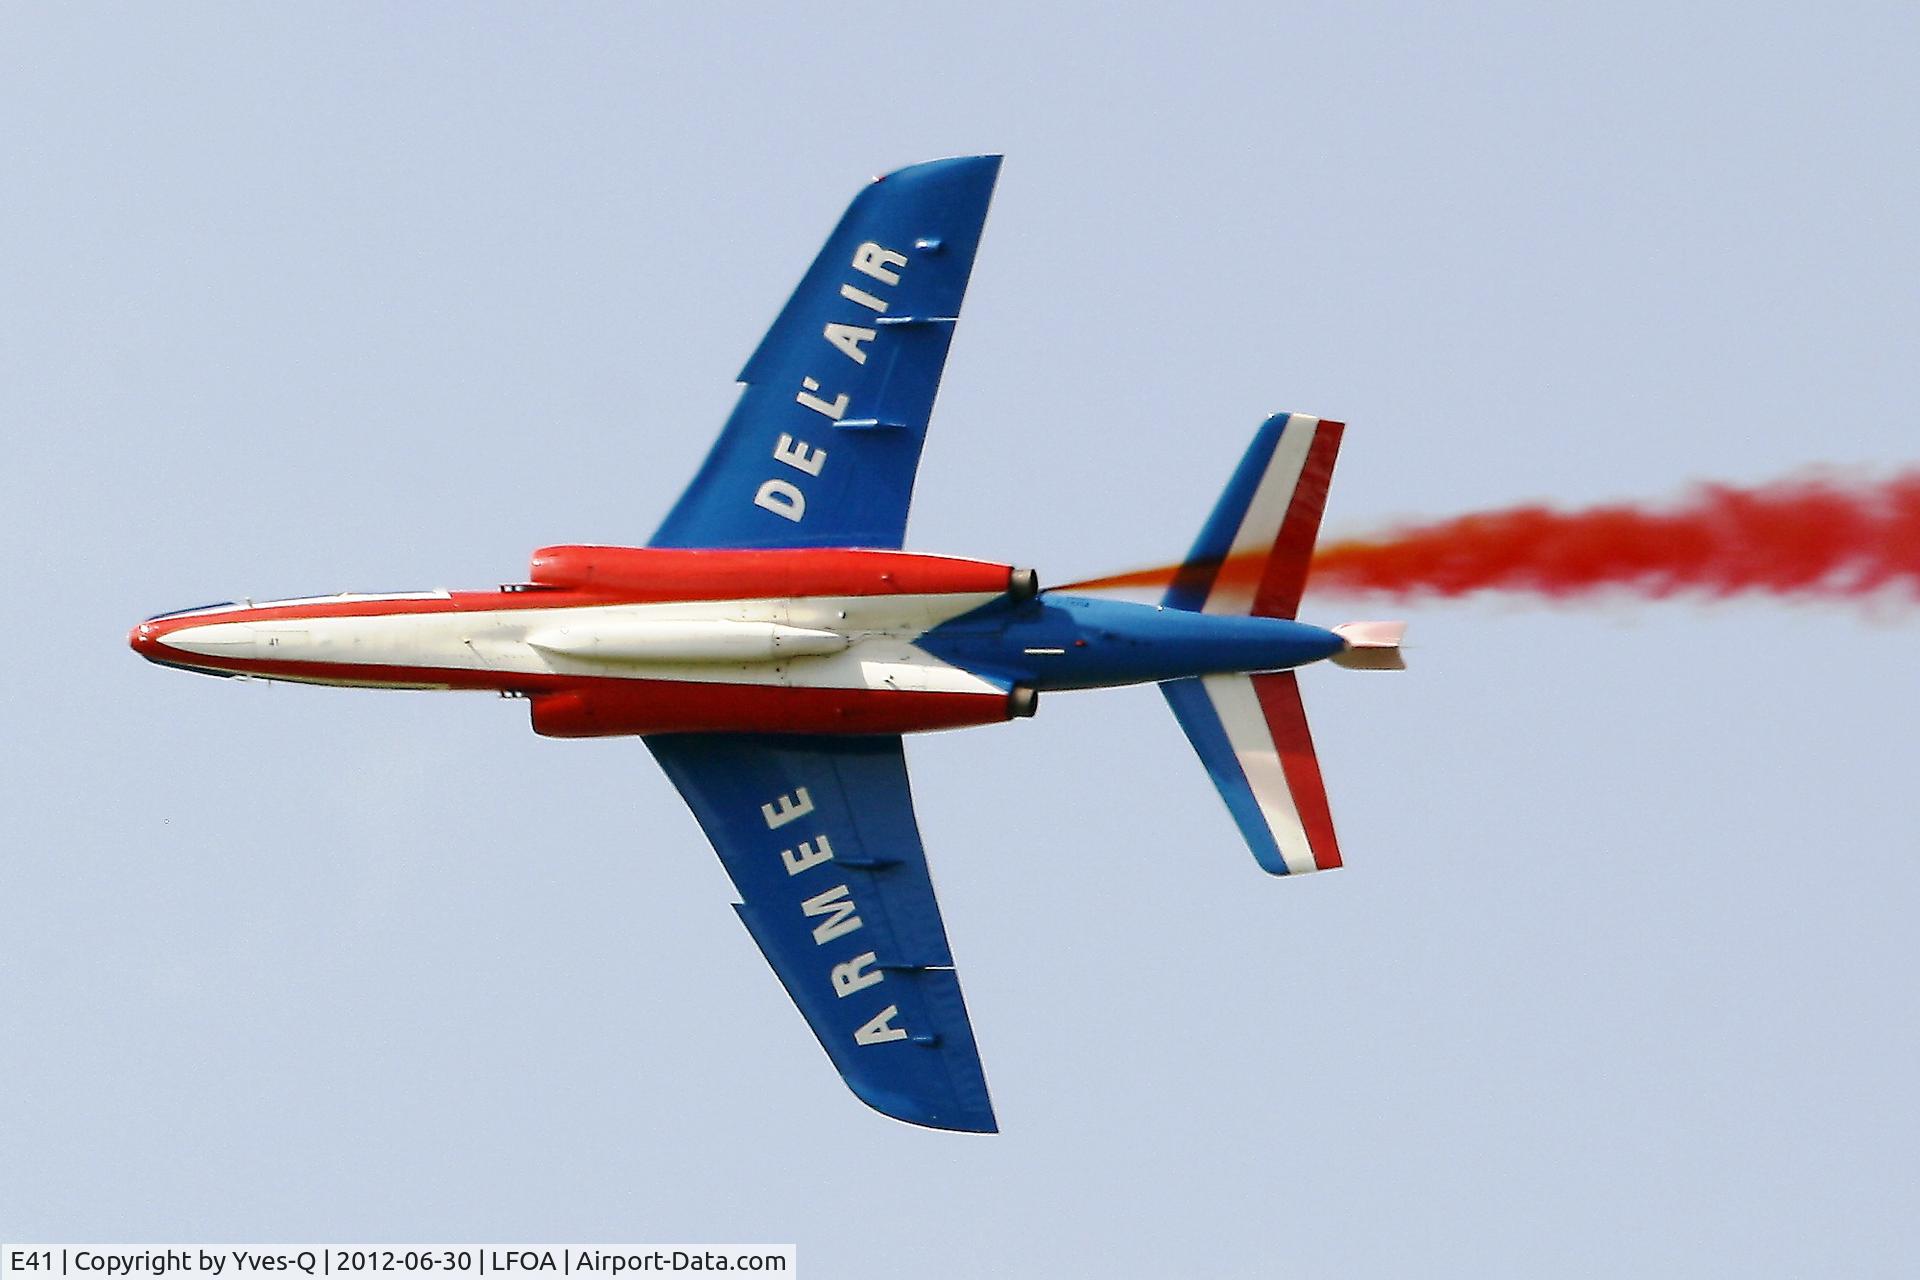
[{"x": 773, "y": 642}]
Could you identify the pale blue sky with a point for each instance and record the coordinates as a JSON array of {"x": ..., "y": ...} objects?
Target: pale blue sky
[{"x": 1619, "y": 977}]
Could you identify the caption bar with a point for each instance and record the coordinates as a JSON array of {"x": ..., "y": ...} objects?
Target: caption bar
[{"x": 287, "y": 1261}]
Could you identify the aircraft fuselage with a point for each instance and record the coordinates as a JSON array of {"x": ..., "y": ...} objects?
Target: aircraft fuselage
[{"x": 607, "y": 640}]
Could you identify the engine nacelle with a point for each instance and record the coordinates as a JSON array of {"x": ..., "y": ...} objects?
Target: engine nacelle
[
  {"x": 1023, "y": 701},
  {"x": 616, "y": 708},
  {"x": 665, "y": 573},
  {"x": 608, "y": 706}
]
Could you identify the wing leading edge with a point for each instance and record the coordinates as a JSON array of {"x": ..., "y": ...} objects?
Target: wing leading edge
[
  {"x": 819, "y": 837},
  {"x": 823, "y": 446}
]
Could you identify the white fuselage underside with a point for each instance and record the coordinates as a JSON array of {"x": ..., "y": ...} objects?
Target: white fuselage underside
[{"x": 839, "y": 642}]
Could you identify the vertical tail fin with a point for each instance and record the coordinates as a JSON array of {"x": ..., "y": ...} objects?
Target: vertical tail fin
[{"x": 1253, "y": 554}]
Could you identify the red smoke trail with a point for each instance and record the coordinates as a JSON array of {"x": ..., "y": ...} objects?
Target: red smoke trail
[{"x": 1814, "y": 537}]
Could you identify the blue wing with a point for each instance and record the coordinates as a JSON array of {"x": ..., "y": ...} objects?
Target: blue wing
[
  {"x": 820, "y": 839},
  {"x": 822, "y": 448}
]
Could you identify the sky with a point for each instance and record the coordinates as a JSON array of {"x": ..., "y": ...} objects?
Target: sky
[{"x": 1618, "y": 978}]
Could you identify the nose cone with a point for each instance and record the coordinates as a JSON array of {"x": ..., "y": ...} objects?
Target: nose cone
[
  {"x": 149, "y": 640},
  {"x": 145, "y": 641}
]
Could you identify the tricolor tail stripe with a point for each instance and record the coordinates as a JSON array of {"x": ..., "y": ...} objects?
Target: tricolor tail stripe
[
  {"x": 1252, "y": 558},
  {"x": 1251, "y": 734},
  {"x": 1292, "y": 744},
  {"x": 1268, "y": 517}
]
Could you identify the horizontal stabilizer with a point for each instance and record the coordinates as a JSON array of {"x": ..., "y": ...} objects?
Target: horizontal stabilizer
[
  {"x": 1251, "y": 734},
  {"x": 1253, "y": 555}
]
